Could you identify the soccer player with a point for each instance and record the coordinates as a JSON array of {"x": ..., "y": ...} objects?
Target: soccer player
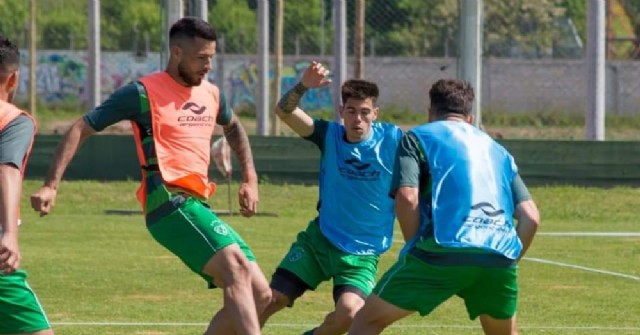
[
  {"x": 355, "y": 221},
  {"x": 457, "y": 192},
  {"x": 20, "y": 311},
  {"x": 173, "y": 113}
]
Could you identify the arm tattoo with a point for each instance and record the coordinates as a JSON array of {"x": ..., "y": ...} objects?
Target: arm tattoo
[
  {"x": 239, "y": 142},
  {"x": 290, "y": 100}
]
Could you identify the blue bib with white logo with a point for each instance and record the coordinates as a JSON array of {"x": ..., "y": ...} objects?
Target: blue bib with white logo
[
  {"x": 356, "y": 212},
  {"x": 471, "y": 198}
]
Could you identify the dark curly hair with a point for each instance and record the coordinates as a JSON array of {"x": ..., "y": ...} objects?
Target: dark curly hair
[
  {"x": 9, "y": 55},
  {"x": 451, "y": 96}
]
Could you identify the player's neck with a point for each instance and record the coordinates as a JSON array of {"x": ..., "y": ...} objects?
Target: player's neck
[{"x": 172, "y": 71}]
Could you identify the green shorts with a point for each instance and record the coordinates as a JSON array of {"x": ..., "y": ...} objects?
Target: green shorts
[
  {"x": 312, "y": 259},
  {"x": 20, "y": 310},
  {"x": 415, "y": 285},
  {"x": 194, "y": 233}
]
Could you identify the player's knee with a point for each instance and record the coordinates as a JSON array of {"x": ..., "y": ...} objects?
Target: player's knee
[
  {"x": 263, "y": 298},
  {"x": 237, "y": 269},
  {"x": 346, "y": 313}
]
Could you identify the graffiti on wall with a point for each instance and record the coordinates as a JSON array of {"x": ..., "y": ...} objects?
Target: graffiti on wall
[
  {"x": 243, "y": 78},
  {"x": 61, "y": 78}
]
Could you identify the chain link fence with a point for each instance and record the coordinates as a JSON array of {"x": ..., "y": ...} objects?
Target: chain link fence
[{"x": 533, "y": 50}]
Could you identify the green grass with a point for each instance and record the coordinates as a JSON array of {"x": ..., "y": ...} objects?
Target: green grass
[{"x": 90, "y": 267}]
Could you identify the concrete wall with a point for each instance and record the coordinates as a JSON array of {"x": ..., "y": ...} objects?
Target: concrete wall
[{"x": 508, "y": 85}]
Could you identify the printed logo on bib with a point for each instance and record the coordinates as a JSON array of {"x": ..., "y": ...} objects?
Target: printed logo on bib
[
  {"x": 197, "y": 120},
  {"x": 355, "y": 169},
  {"x": 485, "y": 215}
]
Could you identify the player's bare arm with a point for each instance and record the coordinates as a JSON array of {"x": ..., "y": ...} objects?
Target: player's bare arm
[
  {"x": 287, "y": 109},
  {"x": 239, "y": 142},
  {"x": 43, "y": 200},
  {"x": 408, "y": 211},
  {"x": 10, "y": 190},
  {"x": 528, "y": 218}
]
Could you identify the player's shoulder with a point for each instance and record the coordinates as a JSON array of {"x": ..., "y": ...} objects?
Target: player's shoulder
[
  {"x": 210, "y": 87},
  {"x": 388, "y": 129}
]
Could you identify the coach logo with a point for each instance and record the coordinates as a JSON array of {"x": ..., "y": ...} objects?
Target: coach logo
[
  {"x": 357, "y": 164},
  {"x": 357, "y": 170},
  {"x": 194, "y": 108},
  {"x": 487, "y": 209}
]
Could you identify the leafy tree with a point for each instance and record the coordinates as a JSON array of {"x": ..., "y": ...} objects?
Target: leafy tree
[
  {"x": 528, "y": 26},
  {"x": 13, "y": 26},
  {"x": 236, "y": 22},
  {"x": 62, "y": 25},
  {"x": 577, "y": 11}
]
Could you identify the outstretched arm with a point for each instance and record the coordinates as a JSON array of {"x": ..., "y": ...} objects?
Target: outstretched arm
[
  {"x": 239, "y": 142},
  {"x": 287, "y": 108},
  {"x": 43, "y": 200}
]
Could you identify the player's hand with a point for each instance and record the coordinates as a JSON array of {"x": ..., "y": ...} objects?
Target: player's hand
[
  {"x": 248, "y": 199},
  {"x": 43, "y": 200},
  {"x": 9, "y": 253},
  {"x": 315, "y": 76}
]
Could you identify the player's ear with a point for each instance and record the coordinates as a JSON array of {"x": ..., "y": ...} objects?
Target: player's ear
[
  {"x": 469, "y": 118},
  {"x": 12, "y": 81},
  {"x": 375, "y": 112}
]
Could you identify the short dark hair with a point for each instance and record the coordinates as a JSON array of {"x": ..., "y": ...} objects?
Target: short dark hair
[
  {"x": 451, "y": 96},
  {"x": 190, "y": 27},
  {"x": 359, "y": 89},
  {"x": 9, "y": 55}
]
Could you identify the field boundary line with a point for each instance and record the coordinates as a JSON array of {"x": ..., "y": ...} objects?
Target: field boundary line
[
  {"x": 590, "y": 234},
  {"x": 584, "y": 268},
  {"x": 301, "y": 325}
]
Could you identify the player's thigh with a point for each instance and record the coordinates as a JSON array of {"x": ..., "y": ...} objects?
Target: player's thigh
[
  {"x": 20, "y": 310},
  {"x": 494, "y": 293},
  {"x": 353, "y": 273},
  {"x": 377, "y": 313},
  {"x": 492, "y": 326},
  {"x": 412, "y": 284},
  {"x": 194, "y": 234},
  {"x": 305, "y": 259}
]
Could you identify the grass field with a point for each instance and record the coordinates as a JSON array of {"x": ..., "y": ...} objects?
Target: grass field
[{"x": 103, "y": 274}]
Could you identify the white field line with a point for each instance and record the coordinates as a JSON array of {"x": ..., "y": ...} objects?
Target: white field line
[
  {"x": 575, "y": 266},
  {"x": 583, "y": 268},
  {"x": 302, "y": 325}
]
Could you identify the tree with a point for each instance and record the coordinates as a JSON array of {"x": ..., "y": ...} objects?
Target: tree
[
  {"x": 237, "y": 23},
  {"x": 14, "y": 26},
  {"x": 521, "y": 27},
  {"x": 62, "y": 26}
]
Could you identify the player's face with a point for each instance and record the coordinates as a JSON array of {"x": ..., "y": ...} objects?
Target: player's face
[
  {"x": 194, "y": 60},
  {"x": 358, "y": 115}
]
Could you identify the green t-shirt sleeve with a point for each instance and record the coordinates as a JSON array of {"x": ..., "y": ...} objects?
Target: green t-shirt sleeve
[
  {"x": 519, "y": 190},
  {"x": 123, "y": 104},
  {"x": 406, "y": 168},
  {"x": 15, "y": 140},
  {"x": 320, "y": 128},
  {"x": 225, "y": 112}
]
